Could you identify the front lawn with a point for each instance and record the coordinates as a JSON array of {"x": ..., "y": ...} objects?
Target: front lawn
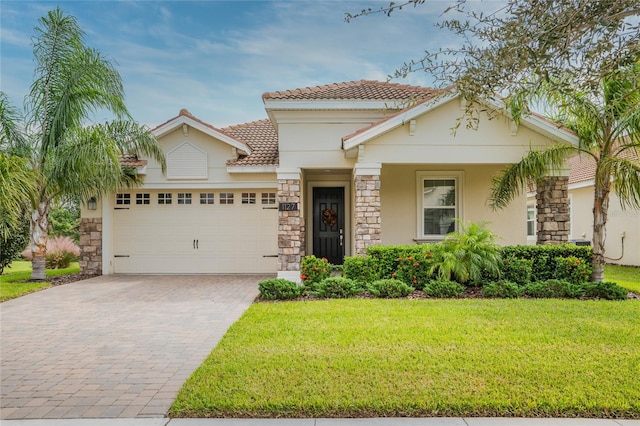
[
  {"x": 625, "y": 276},
  {"x": 13, "y": 281},
  {"x": 464, "y": 357}
]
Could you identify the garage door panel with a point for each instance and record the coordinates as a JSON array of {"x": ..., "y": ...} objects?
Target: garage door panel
[{"x": 238, "y": 238}]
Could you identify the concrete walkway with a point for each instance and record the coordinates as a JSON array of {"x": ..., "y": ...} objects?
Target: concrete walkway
[
  {"x": 433, "y": 421},
  {"x": 113, "y": 346}
]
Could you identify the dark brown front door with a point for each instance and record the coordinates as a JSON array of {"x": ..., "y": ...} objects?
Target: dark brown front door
[{"x": 328, "y": 224}]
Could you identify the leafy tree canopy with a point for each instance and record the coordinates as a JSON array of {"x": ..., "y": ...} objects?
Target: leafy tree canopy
[{"x": 523, "y": 45}]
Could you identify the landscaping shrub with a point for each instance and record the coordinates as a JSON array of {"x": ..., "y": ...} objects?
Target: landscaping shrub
[
  {"x": 502, "y": 290},
  {"x": 468, "y": 254},
  {"x": 444, "y": 288},
  {"x": 516, "y": 270},
  {"x": 61, "y": 251},
  {"x": 313, "y": 270},
  {"x": 553, "y": 288},
  {"x": 386, "y": 258},
  {"x": 336, "y": 288},
  {"x": 605, "y": 290},
  {"x": 360, "y": 269},
  {"x": 389, "y": 288},
  {"x": 14, "y": 242},
  {"x": 572, "y": 269},
  {"x": 417, "y": 269},
  {"x": 279, "y": 289},
  {"x": 543, "y": 257}
]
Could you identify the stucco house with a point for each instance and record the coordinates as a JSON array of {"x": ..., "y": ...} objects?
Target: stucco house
[
  {"x": 622, "y": 244},
  {"x": 331, "y": 171}
]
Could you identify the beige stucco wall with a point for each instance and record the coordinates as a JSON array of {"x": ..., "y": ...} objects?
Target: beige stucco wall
[
  {"x": 313, "y": 139},
  {"x": 400, "y": 210},
  {"x": 218, "y": 153},
  {"x": 619, "y": 221},
  {"x": 434, "y": 141}
]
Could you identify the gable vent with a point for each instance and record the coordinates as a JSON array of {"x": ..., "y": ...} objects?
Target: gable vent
[{"x": 187, "y": 161}]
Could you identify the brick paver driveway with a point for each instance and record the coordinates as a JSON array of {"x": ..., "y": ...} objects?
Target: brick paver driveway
[{"x": 113, "y": 346}]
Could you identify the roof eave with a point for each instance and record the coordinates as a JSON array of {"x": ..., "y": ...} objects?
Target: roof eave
[
  {"x": 355, "y": 139},
  {"x": 267, "y": 168},
  {"x": 171, "y": 125}
]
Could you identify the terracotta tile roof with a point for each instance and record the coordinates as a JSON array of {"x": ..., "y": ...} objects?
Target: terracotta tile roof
[
  {"x": 583, "y": 167},
  {"x": 131, "y": 160},
  {"x": 355, "y": 90},
  {"x": 261, "y": 137}
]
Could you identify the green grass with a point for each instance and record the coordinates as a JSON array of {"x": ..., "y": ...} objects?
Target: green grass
[
  {"x": 625, "y": 276},
  {"x": 467, "y": 357},
  {"x": 13, "y": 281}
]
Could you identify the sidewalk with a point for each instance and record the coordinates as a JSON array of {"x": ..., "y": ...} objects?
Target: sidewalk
[{"x": 431, "y": 421}]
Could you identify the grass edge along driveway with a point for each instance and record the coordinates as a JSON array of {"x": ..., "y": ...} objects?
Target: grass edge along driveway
[{"x": 377, "y": 358}]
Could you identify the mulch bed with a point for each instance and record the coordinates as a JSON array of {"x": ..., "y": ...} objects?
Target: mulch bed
[{"x": 66, "y": 279}]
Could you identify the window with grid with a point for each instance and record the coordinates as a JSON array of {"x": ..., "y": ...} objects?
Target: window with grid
[
  {"x": 268, "y": 198},
  {"x": 123, "y": 199},
  {"x": 206, "y": 198},
  {"x": 164, "y": 198},
  {"x": 531, "y": 220},
  {"x": 226, "y": 198},
  {"x": 184, "y": 198},
  {"x": 143, "y": 199},
  {"x": 438, "y": 200},
  {"x": 248, "y": 198}
]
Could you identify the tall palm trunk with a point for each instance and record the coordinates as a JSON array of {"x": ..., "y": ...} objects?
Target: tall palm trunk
[
  {"x": 38, "y": 240},
  {"x": 600, "y": 211}
]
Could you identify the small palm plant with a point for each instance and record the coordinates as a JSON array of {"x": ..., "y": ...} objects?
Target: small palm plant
[{"x": 466, "y": 255}]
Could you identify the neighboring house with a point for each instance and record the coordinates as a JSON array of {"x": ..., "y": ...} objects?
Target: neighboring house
[
  {"x": 622, "y": 244},
  {"x": 333, "y": 170}
]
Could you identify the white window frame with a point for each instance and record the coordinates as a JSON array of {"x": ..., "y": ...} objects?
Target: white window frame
[
  {"x": 533, "y": 207},
  {"x": 458, "y": 178}
]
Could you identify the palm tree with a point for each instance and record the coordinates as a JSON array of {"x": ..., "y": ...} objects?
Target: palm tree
[
  {"x": 607, "y": 123},
  {"x": 67, "y": 158}
]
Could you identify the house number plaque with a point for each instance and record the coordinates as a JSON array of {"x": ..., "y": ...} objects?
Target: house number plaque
[{"x": 288, "y": 207}]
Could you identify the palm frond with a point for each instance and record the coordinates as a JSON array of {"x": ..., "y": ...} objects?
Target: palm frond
[
  {"x": 625, "y": 173},
  {"x": 12, "y": 138},
  {"x": 515, "y": 178},
  {"x": 132, "y": 138},
  {"x": 71, "y": 81}
]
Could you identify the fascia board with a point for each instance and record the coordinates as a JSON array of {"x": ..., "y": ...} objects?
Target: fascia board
[
  {"x": 539, "y": 124},
  {"x": 397, "y": 121},
  {"x": 251, "y": 169},
  {"x": 172, "y": 125},
  {"x": 583, "y": 184}
]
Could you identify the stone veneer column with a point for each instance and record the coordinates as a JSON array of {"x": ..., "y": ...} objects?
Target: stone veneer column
[
  {"x": 290, "y": 226},
  {"x": 91, "y": 245},
  {"x": 552, "y": 205},
  {"x": 367, "y": 221}
]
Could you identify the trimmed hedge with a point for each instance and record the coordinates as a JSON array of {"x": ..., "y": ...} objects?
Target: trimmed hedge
[
  {"x": 279, "y": 289},
  {"x": 389, "y": 288},
  {"x": 544, "y": 257},
  {"x": 360, "y": 269}
]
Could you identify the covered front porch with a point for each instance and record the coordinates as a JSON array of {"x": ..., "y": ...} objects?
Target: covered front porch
[{"x": 330, "y": 213}]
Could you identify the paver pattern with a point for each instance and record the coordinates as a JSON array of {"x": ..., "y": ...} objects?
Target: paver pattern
[{"x": 113, "y": 346}]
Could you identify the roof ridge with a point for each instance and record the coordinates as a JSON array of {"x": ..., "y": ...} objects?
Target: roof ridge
[{"x": 385, "y": 92}]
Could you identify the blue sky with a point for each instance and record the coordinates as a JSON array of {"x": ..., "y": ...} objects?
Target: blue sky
[{"x": 216, "y": 58}]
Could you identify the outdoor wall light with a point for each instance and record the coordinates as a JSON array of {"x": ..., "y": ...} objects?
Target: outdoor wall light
[{"x": 92, "y": 204}]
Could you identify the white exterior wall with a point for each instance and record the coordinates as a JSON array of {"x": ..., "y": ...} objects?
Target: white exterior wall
[{"x": 618, "y": 222}]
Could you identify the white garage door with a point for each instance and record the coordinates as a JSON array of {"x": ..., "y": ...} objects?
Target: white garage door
[{"x": 196, "y": 232}]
